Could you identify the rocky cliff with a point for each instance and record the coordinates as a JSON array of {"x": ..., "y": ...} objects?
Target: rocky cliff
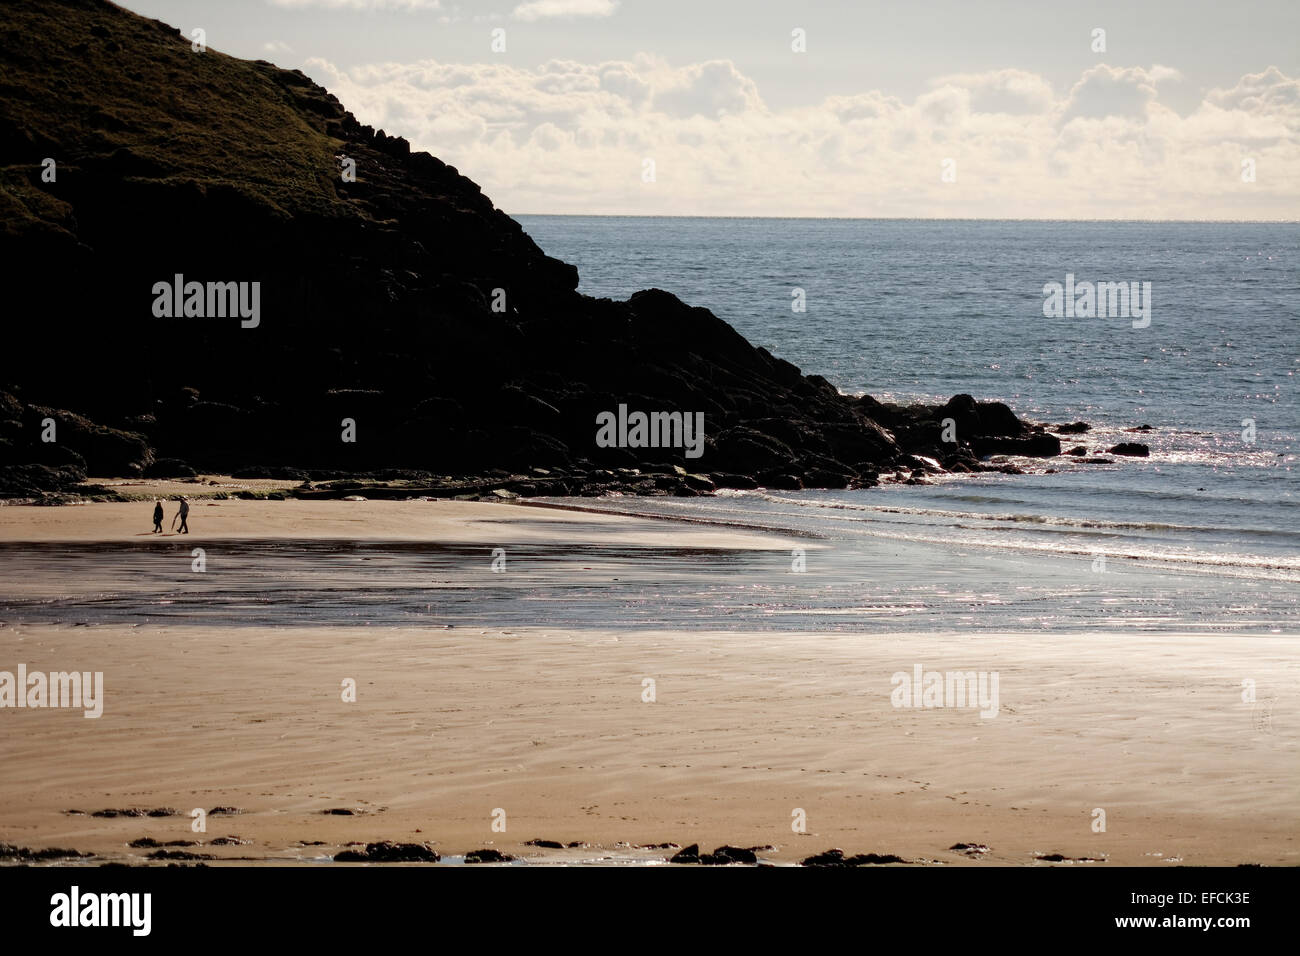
[{"x": 138, "y": 175}]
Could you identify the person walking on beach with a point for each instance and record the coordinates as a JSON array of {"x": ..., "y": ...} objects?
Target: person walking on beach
[
  {"x": 184, "y": 514},
  {"x": 157, "y": 517}
]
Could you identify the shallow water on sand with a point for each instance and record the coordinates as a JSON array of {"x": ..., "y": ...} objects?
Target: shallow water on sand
[{"x": 859, "y": 573}]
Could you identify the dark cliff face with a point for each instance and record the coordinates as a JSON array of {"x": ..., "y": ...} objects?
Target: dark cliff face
[{"x": 403, "y": 301}]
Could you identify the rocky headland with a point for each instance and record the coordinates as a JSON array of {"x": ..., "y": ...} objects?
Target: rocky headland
[{"x": 389, "y": 330}]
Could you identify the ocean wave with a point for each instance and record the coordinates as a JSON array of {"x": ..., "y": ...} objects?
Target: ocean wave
[
  {"x": 1022, "y": 518},
  {"x": 1119, "y": 546}
]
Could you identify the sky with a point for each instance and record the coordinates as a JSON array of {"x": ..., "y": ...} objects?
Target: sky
[{"x": 1179, "y": 109}]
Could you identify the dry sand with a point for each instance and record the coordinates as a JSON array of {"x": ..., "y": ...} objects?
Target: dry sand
[
  {"x": 446, "y": 522},
  {"x": 550, "y": 726}
]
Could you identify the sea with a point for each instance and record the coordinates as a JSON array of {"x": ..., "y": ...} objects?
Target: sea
[{"x": 1203, "y": 535}]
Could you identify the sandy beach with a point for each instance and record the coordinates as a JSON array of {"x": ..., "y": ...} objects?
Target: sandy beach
[
  {"x": 550, "y": 731},
  {"x": 446, "y": 522}
]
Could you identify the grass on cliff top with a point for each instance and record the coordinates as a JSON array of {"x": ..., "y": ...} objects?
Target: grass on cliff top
[{"x": 86, "y": 79}]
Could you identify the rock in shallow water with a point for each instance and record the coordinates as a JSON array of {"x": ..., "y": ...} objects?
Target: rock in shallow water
[{"x": 1132, "y": 449}]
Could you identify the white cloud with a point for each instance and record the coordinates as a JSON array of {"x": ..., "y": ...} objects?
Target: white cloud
[
  {"x": 569, "y": 136},
  {"x": 1270, "y": 93},
  {"x": 714, "y": 88},
  {"x": 544, "y": 9},
  {"x": 1112, "y": 91},
  {"x": 1003, "y": 91},
  {"x": 276, "y": 47},
  {"x": 360, "y": 4}
]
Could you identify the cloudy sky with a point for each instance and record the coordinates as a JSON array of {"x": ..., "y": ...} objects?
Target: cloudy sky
[{"x": 946, "y": 108}]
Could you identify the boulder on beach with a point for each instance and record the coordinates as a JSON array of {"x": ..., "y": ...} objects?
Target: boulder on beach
[
  {"x": 488, "y": 855},
  {"x": 386, "y": 851}
]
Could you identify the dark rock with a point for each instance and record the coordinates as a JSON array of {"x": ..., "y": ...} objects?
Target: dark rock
[
  {"x": 547, "y": 844},
  {"x": 31, "y": 481},
  {"x": 742, "y": 482},
  {"x": 750, "y": 451},
  {"x": 169, "y": 468},
  {"x": 388, "y": 852},
  {"x": 1033, "y": 445},
  {"x": 278, "y": 472},
  {"x": 873, "y": 859},
  {"x": 106, "y": 451},
  {"x": 1073, "y": 428},
  {"x": 780, "y": 481},
  {"x": 836, "y": 857},
  {"x": 833, "y": 857},
  {"x": 724, "y": 855},
  {"x": 487, "y": 856},
  {"x": 10, "y": 852},
  {"x": 1132, "y": 449},
  {"x": 179, "y": 855},
  {"x": 1077, "y": 451},
  {"x": 690, "y": 854}
]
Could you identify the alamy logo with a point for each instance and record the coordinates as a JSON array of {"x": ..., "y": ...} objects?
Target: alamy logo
[
  {"x": 56, "y": 689},
  {"x": 652, "y": 430},
  {"x": 923, "y": 688},
  {"x": 103, "y": 909},
  {"x": 1087, "y": 300},
  {"x": 208, "y": 300}
]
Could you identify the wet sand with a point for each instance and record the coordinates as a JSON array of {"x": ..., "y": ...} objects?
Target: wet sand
[
  {"x": 550, "y": 726},
  {"x": 450, "y": 725}
]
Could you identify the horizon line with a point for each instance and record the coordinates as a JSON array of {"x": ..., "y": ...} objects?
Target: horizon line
[{"x": 640, "y": 215}]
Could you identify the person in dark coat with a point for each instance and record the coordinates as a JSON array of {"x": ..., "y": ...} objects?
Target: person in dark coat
[{"x": 157, "y": 517}]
